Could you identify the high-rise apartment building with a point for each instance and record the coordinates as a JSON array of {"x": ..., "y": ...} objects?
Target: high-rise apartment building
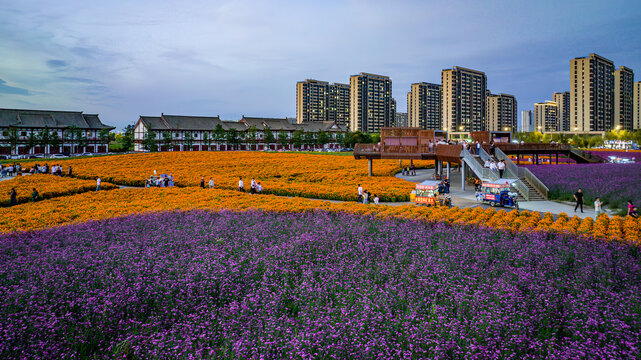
[
  {"x": 321, "y": 101},
  {"x": 527, "y": 121},
  {"x": 401, "y": 120},
  {"x": 546, "y": 116},
  {"x": 563, "y": 100},
  {"x": 463, "y": 99},
  {"x": 424, "y": 106},
  {"x": 338, "y": 104},
  {"x": 636, "y": 118},
  {"x": 501, "y": 112},
  {"x": 623, "y": 92},
  {"x": 591, "y": 94},
  {"x": 371, "y": 105}
]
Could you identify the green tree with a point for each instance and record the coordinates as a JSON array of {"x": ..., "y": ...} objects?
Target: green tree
[
  {"x": 149, "y": 142},
  {"x": 219, "y": 134},
  {"x": 269, "y": 136},
  {"x": 232, "y": 137},
  {"x": 13, "y": 139},
  {"x": 32, "y": 141},
  {"x": 168, "y": 140},
  {"x": 44, "y": 139},
  {"x": 126, "y": 141},
  {"x": 283, "y": 139},
  {"x": 348, "y": 139},
  {"x": 189, "y": 140},
  {"x": 297, "y": 138},
  {"x": 103, "y": 136},
  {"x": 375, "y": 138},
  {"x": 339, "y": 138},
  {"x": 70, "y": 136},
  {"x": 207, "y": 140},
  {"x": 322, "y": 138},
  {"x": 251, "y": 133},
  {"x": 54, "y": 142},
  {"x": 309, "y": 139}
]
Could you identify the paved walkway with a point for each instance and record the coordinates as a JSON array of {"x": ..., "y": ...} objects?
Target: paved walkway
[{"x": 467, "y": 198}]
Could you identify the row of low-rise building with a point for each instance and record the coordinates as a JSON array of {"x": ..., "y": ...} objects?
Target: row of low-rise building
[
  {"x": 601, "y": 98},
  {"x": 202, "y": 133}
]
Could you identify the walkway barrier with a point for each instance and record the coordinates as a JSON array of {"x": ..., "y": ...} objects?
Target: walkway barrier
[
  {"x": 522, "y": 173},
  {"x": 483, "y": 173}
]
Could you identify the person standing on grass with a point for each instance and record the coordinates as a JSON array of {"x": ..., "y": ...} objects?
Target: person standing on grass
[
  {"x": 202, "y": 182},
  {"x": 211, "y": 182},
  {"x": 360, "y": 193},
  {"x": 578, "y": 196},
  {"x": 597, "y": 207},
  {"x": 241, "y": 185},
  {"x": 13, "y": 199},
  {"x": 501, "y": 167},
  {"x": 98, "y": 181},
  {"x": 34, "y": 195}
]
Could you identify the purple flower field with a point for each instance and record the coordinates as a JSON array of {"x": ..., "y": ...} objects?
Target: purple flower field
[
  {"x": 615, "y": 184},
  {"x": 313, "y": 285}
]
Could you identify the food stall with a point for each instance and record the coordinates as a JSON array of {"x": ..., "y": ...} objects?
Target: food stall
[
  {"x": 426, "y": 193},
  {"x": 500, "y": 193}
]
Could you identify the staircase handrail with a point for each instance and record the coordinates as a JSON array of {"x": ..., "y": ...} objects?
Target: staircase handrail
[
  {"x": 522, "y": 172},
  {"x": 484, "y": 155},
  {"x": 483, "y": 173}
]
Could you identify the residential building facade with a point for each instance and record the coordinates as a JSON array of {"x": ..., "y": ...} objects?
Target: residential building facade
[
  {"x": 636, "y": 124},
  {"x": 501, "y": 112},
  {"x": 338, "y": 104},
  {"x": 424, "y": 106},
  {"x": 591, "y": 94},
  {"x": 370, "y": 102},
  {"x": 623, "y": 93},
  {"x": 527, "y": 121},
  {"x": 546, "y": 116},
  {"x": 207, "y": 133},
  {"x": 50, "y": 132},
  {"x": 401, "y": 120},
  {"x": 463, "y": 100},
  {"x": 321, "y": 101},
  {"x": 563, "y": 100}
]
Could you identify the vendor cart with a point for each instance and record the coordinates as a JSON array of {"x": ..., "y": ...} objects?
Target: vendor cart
[
  {"x": 500, "y": 193},
  {"x": 427, "y": 193}
]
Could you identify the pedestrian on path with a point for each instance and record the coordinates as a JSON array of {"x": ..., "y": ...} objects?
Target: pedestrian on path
[
  {"x": 578, "y": 196},
  {"x": 34, "y": 195},
  {"x": 13, "y": 199},
  {"x": 360, "y": 193},
  {"x": 211, "y": 182},
  {"x": 98, "y": 181},
  {"x": 241, "y": 185},
  {"x": 597, "y": 207},
  {"x": 493, "y": 166}
]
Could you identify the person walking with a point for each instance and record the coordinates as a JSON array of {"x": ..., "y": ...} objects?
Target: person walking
[
  {"x": 597, "y": 208},
  {"x": 70, "y": 171},
  {"x": 241, "y": 185},
  {"x": 252, "y": 186},
  {"x": 360, "y": 193},
  {"x": 487, "y": 163},
  {"x": 211, "y": 182},
  {"x": 13, "y": 199},
  {"x": 365, "y": 196},
  {"x": 578, "y": 196},
  {"x": 259, "y": 188},
  {"x": 34, "y": 195},
  {"x": 501, "y": 167},
  {"x": 202, "y": 182},
  {"x": 478, "y": 148},
  {"x": 493, "y": 166},
  {"x": 98, "y": 181}
]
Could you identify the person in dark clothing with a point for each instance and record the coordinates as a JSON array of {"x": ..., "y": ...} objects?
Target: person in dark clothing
[
  {"x": 34, "y": 195},
  {"x": 70, "y": 171},
  {"x": 13, "y": 200},
  {"x": 578, "y": 196},
  {"x": 202, "y": 182}
]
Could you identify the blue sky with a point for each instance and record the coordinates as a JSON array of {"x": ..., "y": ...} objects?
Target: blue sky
[{"x": 123, "y": 59}]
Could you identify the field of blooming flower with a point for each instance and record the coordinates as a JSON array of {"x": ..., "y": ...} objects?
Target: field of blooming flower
[
  {"x": 615, "y": 184},
  {"x": 289, "y": 174},
  {"x": 313, "y": 285}
]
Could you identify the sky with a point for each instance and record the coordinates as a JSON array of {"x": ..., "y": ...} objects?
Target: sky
[{"x": 124, "y": 58}]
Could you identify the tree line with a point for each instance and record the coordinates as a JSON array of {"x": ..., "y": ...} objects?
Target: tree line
[{"x": 73, "y": 136}]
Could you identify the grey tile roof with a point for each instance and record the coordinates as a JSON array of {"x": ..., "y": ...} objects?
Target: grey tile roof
[
  {"x": 316, "y": 126},
  {"x": 155, "y": 122},
  {"x": 179, "y": 122},
  {"x": 228, "y": 125},
  {"x": 51, "y": 119}
]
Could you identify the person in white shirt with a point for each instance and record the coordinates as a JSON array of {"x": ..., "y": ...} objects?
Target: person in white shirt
[
  {"x": 487, "y": 163},
  {"x": 501, "y": 167},
  {"x": 597, "y": 208},
  {"x": 259, "y": 188},
  {"x": 493, "y": 166},
  {"x": 252, "y": 186},
  {"x": 375, "y": 199},
  {"x": 241, "y": 186},
  {"x": 98, "y": 183},
  {"x": 360, "y": 193},
  {"x": 211, "y": 182}
]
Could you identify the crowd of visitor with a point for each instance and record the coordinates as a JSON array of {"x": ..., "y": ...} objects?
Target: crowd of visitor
[{"x": 364, "y": 196}]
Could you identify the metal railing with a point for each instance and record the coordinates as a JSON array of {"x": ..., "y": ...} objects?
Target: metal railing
[
  {"x": 483, "y": 173},
  {"x": 521, "y": 173}
]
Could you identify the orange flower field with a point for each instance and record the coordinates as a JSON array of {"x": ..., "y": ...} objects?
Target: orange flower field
[
  {"x": 110, "y": 204},
  {"x": 289, "y": 174},
  {"x": 48, "y": 186}
]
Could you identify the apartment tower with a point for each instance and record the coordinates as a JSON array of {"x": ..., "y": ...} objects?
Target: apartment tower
[
  {"x": 463, "y": 99},
  {"x": 623, "y": 92},
  {"x": 321, "y": 101},
  {"x": 371, "y": 105},
  {"x": 424, "y": 106},
  {"x": 546, "y": 116},
  {"x": 527, "y": 121},
  {"x": 501, "y": 112},
  {"x": 563, "y": 100},
  {"x": 591, "y": 94},
  {"x": 636, "y": 119}
]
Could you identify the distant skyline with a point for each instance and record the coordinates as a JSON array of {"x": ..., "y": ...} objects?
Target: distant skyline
[{"x": 123, "y": 59}]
